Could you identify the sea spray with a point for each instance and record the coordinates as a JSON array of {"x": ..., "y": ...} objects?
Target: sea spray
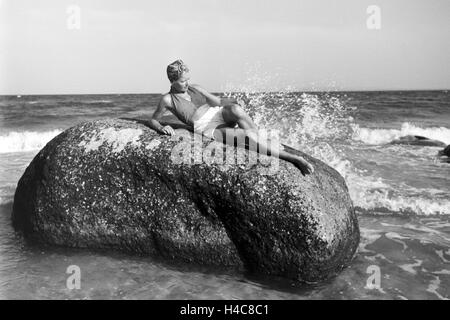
[{"x": 323, "y": 125}]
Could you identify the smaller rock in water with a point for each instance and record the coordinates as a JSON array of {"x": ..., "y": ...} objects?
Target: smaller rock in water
[
  {"x": 418, "y": 141},
  {"x": 445, "y": 152}
]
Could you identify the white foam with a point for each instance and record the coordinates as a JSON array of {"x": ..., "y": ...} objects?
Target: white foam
[
  {"x": 440, "y": 253},
  {"x": 443, "y": 271},
  {"x": 368, "y": 236},
  {"x": 410, "y": 267},
  {"x": 6, "y": 199},
  {"x": 377, "y": 256},
  {"x": 374, "y": 193},
  {"x": 7, "y": 193},
  {"x": 419, "y": 205},
  {"x": 97, "y": 101},
  {"x": 434, "y": 286},
  {"x": 397, "y": 238},
  {"x": 25, "y": 141},
  {"x": 382, "y": 136}
]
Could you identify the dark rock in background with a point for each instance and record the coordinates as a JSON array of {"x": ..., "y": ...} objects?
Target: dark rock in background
[{"x": 418, "y": 141}]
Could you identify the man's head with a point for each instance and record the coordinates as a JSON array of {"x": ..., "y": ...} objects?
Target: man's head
[{"x": 178, "y": 74}]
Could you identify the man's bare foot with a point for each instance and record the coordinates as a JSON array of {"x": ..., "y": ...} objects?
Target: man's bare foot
[{"x": 304, "y": 166}]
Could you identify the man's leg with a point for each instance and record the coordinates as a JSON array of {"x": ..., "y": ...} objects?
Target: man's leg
[
  {"x": 227, "y": 135},
  {"x": 235, "y": 114}
]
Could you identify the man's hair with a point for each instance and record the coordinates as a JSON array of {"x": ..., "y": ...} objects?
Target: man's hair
[{"x": 176, "y": 69}]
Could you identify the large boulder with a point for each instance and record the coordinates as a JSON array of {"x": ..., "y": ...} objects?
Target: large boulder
[{"x": 118, "y": 184}]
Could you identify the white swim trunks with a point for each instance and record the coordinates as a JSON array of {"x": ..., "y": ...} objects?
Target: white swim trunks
[{"x": 207, "y": 119}]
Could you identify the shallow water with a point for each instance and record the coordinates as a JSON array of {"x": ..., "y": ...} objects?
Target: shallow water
[{"x": 412, "y": 255}]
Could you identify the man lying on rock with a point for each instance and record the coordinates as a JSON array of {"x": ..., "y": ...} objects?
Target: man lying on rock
[{"x": 212, "y": 116}]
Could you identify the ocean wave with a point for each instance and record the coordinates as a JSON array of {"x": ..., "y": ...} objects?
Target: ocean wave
[
  {"x": 376, "y": 195},
  {"x": 403, "y": 205},
  {"x": 25, "y": 141},
  {"x": 6, "y": 199},
  {"x": 7, "y": 193},
  {"x": 323, "y": 126},
  {"x": 97, "y": 101},
  {"x": 383, "y": 136}
]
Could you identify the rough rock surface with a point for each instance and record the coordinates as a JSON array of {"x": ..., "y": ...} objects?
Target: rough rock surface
[{"x": 118, "y": 184}]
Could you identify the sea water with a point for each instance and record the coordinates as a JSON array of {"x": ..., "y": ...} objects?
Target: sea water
[{"x": 401, "y": 194}]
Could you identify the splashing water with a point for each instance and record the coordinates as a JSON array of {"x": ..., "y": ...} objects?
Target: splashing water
[
  {"x": 308, "y": 122},
  {"x": 382, "y": 136},
  {"x": 322, "y": 125}
]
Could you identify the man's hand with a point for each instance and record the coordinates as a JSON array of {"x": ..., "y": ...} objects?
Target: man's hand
[
  {"x": 168, "y": 130},
  {"x": 211, "y": 99}
]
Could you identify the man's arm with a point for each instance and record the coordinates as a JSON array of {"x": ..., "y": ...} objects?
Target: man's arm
[
  {"x": 154, "y": 121},
  {"x": 213, "y": 100}
]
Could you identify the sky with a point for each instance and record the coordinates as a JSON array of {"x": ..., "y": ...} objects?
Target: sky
[{"x": 112, "y": 46}]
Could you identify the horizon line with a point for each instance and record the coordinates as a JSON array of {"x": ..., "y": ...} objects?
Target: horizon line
[{"x": 257, "y": 91}]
